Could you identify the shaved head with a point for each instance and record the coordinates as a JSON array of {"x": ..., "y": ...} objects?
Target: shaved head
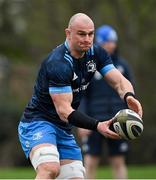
[{"x": 79, "y": 18}]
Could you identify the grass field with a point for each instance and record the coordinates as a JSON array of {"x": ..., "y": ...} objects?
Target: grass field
[{"x": 135, "y": 172}]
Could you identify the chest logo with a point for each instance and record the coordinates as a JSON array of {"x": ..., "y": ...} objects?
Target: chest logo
[{"x": 91, "y": 66}]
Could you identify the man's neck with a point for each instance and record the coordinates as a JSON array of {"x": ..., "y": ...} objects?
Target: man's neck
[
  {"x": 73, "y": 52},
  {"x": 76, "y": 54}
]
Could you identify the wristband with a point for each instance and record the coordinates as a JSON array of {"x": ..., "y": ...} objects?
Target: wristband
[
  {"x": 128, "y": 94},
  {"x": 82, "y": 120}
]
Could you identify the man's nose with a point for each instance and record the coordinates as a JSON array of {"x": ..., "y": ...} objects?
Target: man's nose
[{"x": 87, "y": 38}]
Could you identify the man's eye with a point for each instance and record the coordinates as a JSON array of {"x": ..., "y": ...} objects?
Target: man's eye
[
  {"x": 90, "y": 34},
  {"x": 82, "y": 34}
]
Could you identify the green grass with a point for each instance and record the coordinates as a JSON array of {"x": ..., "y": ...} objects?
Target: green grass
[
  {"x": 17, "y": 173},
  {"x": 134, "y": 172}
]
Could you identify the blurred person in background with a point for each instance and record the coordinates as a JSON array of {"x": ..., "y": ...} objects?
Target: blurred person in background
[{"x": 104, "y": 103}]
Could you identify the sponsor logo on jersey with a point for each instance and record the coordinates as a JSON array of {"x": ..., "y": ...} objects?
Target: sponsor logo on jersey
[{"x": 82, "y": 88}]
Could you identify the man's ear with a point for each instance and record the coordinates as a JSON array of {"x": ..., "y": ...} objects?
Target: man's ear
[{"x": 67, "y": 32}]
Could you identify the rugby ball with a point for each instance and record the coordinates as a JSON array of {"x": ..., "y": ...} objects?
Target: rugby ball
[{"x": 128, "y": 124}]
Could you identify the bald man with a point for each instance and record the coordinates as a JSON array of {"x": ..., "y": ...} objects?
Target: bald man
[{"x": 45, "y": 127}]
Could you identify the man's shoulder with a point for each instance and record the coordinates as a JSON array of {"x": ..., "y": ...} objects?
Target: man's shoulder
[
  {"x": 55, "y": 63},
  {"x": 56, "y": 54},
  {"x": 57, "y": 57}
]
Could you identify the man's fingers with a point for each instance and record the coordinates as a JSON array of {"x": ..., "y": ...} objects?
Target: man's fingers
[
  {"x": 110, "y": 122},
  {"x": 140, "y": 111},
  {"x": 135, "y": 105},
  {"x": 103, "y": 128},
  {"x": 112, "y": 134}
]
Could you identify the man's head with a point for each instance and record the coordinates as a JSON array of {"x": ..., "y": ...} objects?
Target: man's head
[
  {"x": 107, "y": 38},
  {"x": 80, "y": 33}
]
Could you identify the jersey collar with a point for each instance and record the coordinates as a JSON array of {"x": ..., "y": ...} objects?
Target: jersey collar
[{"x": 67, "y": 45}]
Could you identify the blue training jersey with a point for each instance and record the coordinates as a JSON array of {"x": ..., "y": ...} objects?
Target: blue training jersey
[{"x": 62, "y": 73}]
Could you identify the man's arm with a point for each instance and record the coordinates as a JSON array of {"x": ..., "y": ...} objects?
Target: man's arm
[
  {"x": 66, "y": 113},
  {"x": 118, "y": 82},
  {"x": 123, "y": 86},
  {"x": 62, "y": 104}
]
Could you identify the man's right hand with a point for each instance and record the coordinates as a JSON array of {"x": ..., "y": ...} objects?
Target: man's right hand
[{"x": 103, "y": 128}]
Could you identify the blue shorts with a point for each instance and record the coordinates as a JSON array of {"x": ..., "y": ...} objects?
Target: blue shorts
[
  {"x": 93, "y": 145},
  {"x": 39, "y": 132}
]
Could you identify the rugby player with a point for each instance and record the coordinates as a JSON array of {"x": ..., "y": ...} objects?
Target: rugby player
[{"x": 45, "y": 127}]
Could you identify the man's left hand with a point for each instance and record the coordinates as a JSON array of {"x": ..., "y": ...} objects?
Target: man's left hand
[{"x": 134, "y": 105}]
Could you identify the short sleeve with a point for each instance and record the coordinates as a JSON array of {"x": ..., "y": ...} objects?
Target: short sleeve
[
  {"x": 104, "y": 61},
  {"x": 59, "y": 77}
]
